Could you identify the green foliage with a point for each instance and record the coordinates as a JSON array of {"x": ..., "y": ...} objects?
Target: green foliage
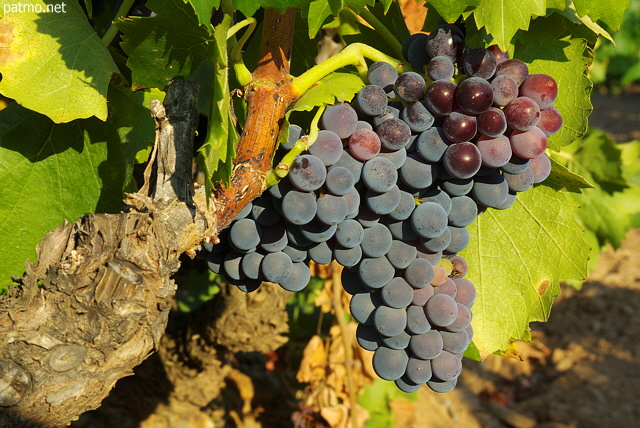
[
  {"x": 618, "y": 64},
  {"x": 169, "y": 45},
  {"x": 336, "y": 85},
  {"x": 519, "y": 256},
  {"x": 377, "y": 397},
  {"x": 55, "y": 64},
  {"x": 52, "y": 172}
]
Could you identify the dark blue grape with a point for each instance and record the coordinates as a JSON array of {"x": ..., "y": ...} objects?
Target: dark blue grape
[
  {"x": 377, "y": 240},
  {"x": 418, "y": 370},
  {"x": 401, "y": 254},
  {"x": 389, "y": 321},
  {"x": 327, "y": 147},
  {"x": 250, "y": 265},
  {"x": 296, "y": 254},
  {"x": 410, "y": 86},
  {"x": 446, "y": 366},
  {"x": 440, "y": 67},
  {"x": 274, "y": 238},
  {"x": 457, "y": 186},
  {"x": 417, "y": 116},
  {"x": 441, "y": 310},
  {"x": 520, "y": 182},
  {"x": 231, "y": 265},
  {"x": 245, "y": 234},
  {"x": 390, "y": 364},
  {"x": 382, "y": 74},
  {"x": 462, "y": 321},
  {"x": 299, "y": 278},
  {"x": 463, "y": 211},
  {"x": 439, "y": 243},
  {"x": 399, "y": 341},
  {"x": 295, "y": 133},
  {"x": 459, "y": 239},
  {"x": 397, "y": 158},
  {"x": 394, "y": 134},
  {"x": 347, "y": 257},
  {"x": 417, "y": 322},
  {"x": 405, "y": 385},
  {"x": 299, "y": 207},
  {"x": 371, "y": 100},
  {"x": 419, "y": 273},
  {"x": 397, "y": 293},
  {"x": 340, "y": 119},
  {"x": 479, "y": 63},
  {"x": 307, "y": 172},
  {"x": 383, "y": 203},
  {"x": 264, "y": 212},
  {"x": 331, "y": 209},
  {"x": 276, "y": 267},
  {"x": 317, "y": 231},
  {"x": 429, "y": 219},
  {"x": 379, "y": 174},
  {"x": 363, "y": 306},
  {"x": 352, "y": 164},
  {"x": 401, "y": 229},
  {"x": 367, "y": 337},
  {"x": 405, "y": 207},
  {"x": 440, "y": 386},
  {"x": 349, "y": 233},
  {"x": 340, "y": 181},
  {"x": 418, "y": 173},
  {"x": 427, "y": 345},
  {"x": 446, "y": 40},
  {"x": 376, "y": 272},
  {"x": 490, "y": 190},
  {"x": 321, "y": 253}
]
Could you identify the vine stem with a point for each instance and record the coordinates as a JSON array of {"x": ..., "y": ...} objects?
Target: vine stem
[
  {"x": 243, "y": 75},
  {"x": 382, "y": 29},
  {"x": 346, "y": 336},
  {"x": 354, "y": 54},
  {"x": 111, "y": 32}
]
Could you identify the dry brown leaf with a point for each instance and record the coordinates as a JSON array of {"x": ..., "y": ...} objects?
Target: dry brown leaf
[{"x": 314, "y": 362}]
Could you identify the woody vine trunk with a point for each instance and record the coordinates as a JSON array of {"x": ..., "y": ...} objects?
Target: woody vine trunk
[{"x": 96, "y": 302}]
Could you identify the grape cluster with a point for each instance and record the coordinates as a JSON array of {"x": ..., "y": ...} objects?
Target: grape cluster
[{"x": 388, "y": 189}]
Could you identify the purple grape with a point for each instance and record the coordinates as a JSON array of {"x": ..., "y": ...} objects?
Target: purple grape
[
  {"x": 370, "y": 101},
  {"x": 495, "y": 152},
  {"x": 427, "y": 345},
  {"x": 382, "y": 74},
  {"x": 440, "y": 67},
  {"x": 340, "y": 119},
  {"x": 522, "y": 114},
  {"x": 505, "y": 90},
  {"x": 479, "y": 62},
  {"x": 514, "y": 68},
  {"x": 474, "y": 95},
  {"x": 541, "y": 88},
  {"x": 394, "y": 134},
  {"x": 550, "y": 121},
  {"x": 410, "y": 86},
  {"x": 499, "y": 55},
  {"x": 446, "y": 40},
  {"x": 459, "y": 127},
  {"x": 327, "y": 147},
  {"x": 541, "y": 167},
  {"x": 364, "y": 144},
  {"x": 441, "y": 310},
  {"x": 307, "y": 172},
  {"x": 492, "y": 123},
  {"x": 440, "y": 97},
  {"x": 462, "y": 160},
  {"x": 529, "y": 144}
]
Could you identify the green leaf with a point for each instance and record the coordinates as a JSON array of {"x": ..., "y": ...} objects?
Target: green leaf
[
  {"x": 571, "y": 14},
  {"x": 249, "y": 7},
  {"x": 563, "y": 179},
  {"x": 629, "y": 154},
  {"x": 335, "y": 85},
  {"x": 608, "y": 12},
  {"x": 599, "y": 156},
  {"x": 450, "y": 10},
  {"x": 204, "y": 10},
  {"x": 169, "y": 45},
  {"x": 546, "y": 50},
  {"x": 316, "y": 14},
  {"x": 502, "y": 20},
  {"x": 54, "y": 63},
  {"x": 50, "y": 172},
  {"x": 376, "y": 397},
  {"x": 358, "y": 5},
  {"x": 218, "y": 148},
  {"x": 517, "y": 258}
]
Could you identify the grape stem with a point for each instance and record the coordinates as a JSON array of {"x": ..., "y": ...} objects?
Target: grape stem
[
  {"x": 243, "y": 75},
  {"x": 282, "y": 169},
  {"x": 111, "y": 32},
  {"x": 382, "y": 29},
  {"x": 355, "y": 55}
]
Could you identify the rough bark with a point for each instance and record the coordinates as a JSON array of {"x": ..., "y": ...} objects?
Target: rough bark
[{"x": 96, "y": 302}]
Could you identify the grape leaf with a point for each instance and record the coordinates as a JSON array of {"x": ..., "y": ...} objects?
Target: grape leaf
[
  {"x": 218, "y": 148},
  {"x": 335, "y": 85},
  {"x": 450, "y": 10},
  {"x": 610, "y": 13},
  {"x": 50, "y": 172},
  {"x": 358, "y": 5},
  {"x": 502, "y": 20},
  {"x": 249, "y": 7},
  {"x": 168, "y": 45},
  {"x": 54, "y": 63},
  {"x": 563, "y": 179},
  {"x": 204, "y": 10},
  {"x": 519, "y": 256},
  {"x": 316, "y": 14},
  {"x": 546, "y": 50}
]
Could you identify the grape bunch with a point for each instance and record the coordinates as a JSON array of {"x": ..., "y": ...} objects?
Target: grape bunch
[{"x": 388, "y": 188}]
